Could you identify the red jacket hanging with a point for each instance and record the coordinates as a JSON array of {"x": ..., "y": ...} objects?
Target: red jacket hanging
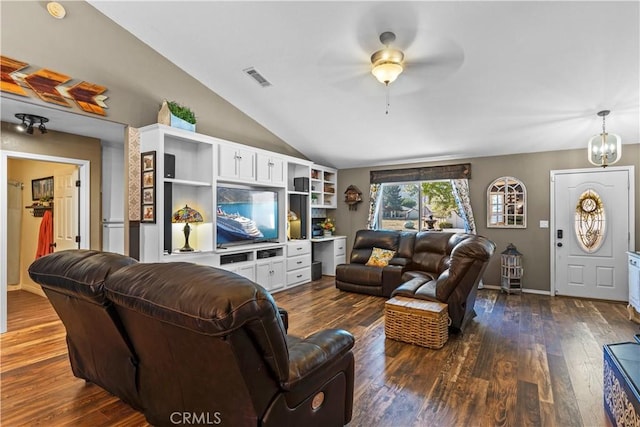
[{"x": 45, "y": 238}]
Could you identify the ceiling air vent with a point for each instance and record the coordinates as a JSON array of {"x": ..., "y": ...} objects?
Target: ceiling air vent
[{"x": 255, "y": 75}]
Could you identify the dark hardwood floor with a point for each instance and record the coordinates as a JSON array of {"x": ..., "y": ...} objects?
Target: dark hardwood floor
[{"x": 526, "y": 360}]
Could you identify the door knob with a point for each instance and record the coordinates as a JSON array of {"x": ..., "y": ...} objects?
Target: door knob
[{"x": 559, "y": 245}]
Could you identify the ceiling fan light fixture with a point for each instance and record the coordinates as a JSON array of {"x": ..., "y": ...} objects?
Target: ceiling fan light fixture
[
  {"x": 387, "y": 63},
  {"x": 387, "y": 72}
]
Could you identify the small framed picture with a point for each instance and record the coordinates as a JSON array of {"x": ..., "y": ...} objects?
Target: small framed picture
[
  {"x": 148, "y": 185},
  {"x": 148, "y": 213},
  {"x": 148, "y": 179},
  {"x": 149, "y": 161},
  {"x": 148, "y": 195},
  {"x": 42, "y": 189}
]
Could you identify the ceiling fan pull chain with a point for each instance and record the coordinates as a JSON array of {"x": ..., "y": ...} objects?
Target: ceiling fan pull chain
[{"x": 387, "y": 110}]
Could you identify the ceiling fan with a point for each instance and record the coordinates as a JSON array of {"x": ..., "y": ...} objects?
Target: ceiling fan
[{"x": 423, "y": 58}]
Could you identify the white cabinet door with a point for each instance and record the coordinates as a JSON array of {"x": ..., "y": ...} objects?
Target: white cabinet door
[
  {"x": 278, "y": 274},
  {"x": 270, "y": 274},
  {"x": 113, "y": 238},
  {"x": 227, "y": 162},
  {"x": 634, "y": 282},
  {"x": 269, "y": 169},
  {"x": 246, "y": 161},
  {"x": 244, "y": 270},
  {"x": 237, "y": 163}
]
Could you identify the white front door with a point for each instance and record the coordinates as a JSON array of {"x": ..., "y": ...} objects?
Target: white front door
[
  {"x": 591, "y": 218},
  {"x": 66, "y": 208}
]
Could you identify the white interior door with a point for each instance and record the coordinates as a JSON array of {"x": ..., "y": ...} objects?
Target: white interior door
[
  {"x": 592, "y": 210},
  {"x": 66, "y": 208}
]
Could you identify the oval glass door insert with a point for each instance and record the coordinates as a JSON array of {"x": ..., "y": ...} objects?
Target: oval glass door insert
[{"x": 590, "y": 221}]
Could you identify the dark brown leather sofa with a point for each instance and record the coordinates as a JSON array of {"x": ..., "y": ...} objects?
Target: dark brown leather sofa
[
  {"x": 431, "y": 265},
  {"x": 380, "y": 281},
  {"x": 204, "y": 346}
]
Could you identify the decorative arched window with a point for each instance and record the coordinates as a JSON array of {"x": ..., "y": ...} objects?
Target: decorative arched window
[
  {"x": 590, "y": 221},
  {"x": 507, "y": 203}
]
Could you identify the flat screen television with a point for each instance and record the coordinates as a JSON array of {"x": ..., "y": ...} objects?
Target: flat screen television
[{"x": 246, "y": 215}]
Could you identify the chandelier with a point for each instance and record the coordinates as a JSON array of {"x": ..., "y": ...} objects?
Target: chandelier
[{"x": 606, "y": 148}]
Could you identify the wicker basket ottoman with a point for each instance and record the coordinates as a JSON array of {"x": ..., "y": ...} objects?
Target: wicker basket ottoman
[{"x": 416, "y": 321}]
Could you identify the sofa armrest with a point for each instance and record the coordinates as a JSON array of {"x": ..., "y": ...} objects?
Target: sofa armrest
[
  {"x": 313, "y": 353},
  {"x": 391, "y": 278},
  {"x": 403, "y": 262},
  {"x": 284, "y": 316}
]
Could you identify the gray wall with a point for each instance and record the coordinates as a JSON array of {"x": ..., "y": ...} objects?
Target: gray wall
[
  {"x": 533, "y": 170},
  {"x": 87, "y": 45}
]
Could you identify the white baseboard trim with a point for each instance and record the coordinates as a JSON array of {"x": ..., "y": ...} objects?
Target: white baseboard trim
[
  {"x": 524, "y": 291},
  {"x": 34, "y": 289}
]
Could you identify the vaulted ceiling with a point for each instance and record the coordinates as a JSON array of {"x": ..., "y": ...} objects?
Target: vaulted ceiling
[{"x": 481, "y": 77}]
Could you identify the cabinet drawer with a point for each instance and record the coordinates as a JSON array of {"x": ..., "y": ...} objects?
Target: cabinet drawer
[
  {"x": 297, "y": 262},
  {"x": 340, "y": 259},
  {"x": 298, "y": 248},
  {"x": 299, "y": 276},
  {"x": 340, "y": 247}
]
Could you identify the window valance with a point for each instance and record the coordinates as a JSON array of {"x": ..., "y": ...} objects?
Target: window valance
[{"x": 430, "y": 173}]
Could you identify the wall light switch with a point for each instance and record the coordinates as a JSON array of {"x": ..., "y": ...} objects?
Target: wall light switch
[{"x": 544, "y": 224}]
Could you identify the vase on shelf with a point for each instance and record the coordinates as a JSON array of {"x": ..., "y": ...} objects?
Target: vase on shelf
[
  {"x": 327, "y": 233},
  {"x": 166, "y": 117}
]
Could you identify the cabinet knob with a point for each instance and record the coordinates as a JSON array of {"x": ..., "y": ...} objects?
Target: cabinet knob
[{"x": 299, "y": 262}]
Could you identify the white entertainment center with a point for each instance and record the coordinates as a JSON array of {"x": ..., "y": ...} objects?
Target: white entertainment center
[{"x": 202, "y": 165}]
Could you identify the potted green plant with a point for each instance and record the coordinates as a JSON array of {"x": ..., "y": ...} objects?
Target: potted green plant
[{"x": 177, "y": 115}]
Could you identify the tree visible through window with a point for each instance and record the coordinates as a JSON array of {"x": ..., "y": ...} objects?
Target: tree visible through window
[{"x": 415, "y": 206}]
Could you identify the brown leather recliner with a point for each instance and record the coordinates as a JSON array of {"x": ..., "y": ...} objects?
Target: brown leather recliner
[
  {"x": 212, "y": 346},
  {"x": 447, "y": 267},
  {"x": 99, "y": 348},
  {"x": 189, "y": 344}
]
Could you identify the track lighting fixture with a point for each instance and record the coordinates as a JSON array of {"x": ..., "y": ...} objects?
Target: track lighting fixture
[{"x": 28, "y": 120}]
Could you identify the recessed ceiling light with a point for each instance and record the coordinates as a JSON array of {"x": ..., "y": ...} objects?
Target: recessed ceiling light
[{"x": 56, "y": 10}]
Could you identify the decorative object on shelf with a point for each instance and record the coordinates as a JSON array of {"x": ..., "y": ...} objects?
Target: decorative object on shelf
[
  {"x": 291, "y": 218},
  {"x": 511, "y": 269},
  {"x": 606, "y": 148},
  {"x": 176, "y": 115},
  {"x": 42, "y": 189},
  {"x": 148, "y": 186},
  {"x": 32, "y": 119},
  {"x": 187, "y": 216},
  {"x": 590, "y": 221},
  {"x": 352, "y": 196},
  {"x": 328, "y": 227},
  {"x": 507, "y": 203}
]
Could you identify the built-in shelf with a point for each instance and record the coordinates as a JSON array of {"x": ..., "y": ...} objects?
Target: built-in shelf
[
  {"x": 188, "y": 182},
  {"x": 39, "y": 210}
]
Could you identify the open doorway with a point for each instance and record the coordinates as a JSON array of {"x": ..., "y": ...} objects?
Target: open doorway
[{"x": 19, "y": 167}]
